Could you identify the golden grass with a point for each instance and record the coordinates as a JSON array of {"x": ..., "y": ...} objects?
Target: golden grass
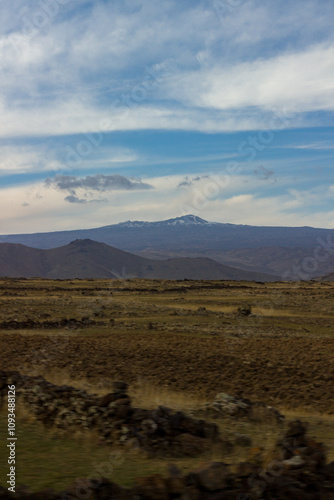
[
  {"x": 146, "y": 395},
  {"x": 288, "y": 313},
  {"x": 54, "y": 458}
]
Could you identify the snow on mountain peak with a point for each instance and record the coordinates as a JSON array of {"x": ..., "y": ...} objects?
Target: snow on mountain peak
[
  {"x": 188, "y": 220},
  {"x": 185, "y": 220}
]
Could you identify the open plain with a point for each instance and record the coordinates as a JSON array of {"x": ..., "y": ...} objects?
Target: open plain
[{"x": 177, "y": 344}]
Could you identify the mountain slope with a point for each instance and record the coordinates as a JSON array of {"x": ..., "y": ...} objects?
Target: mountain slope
[
  {"x": 180, "y": 234},
  {"x": 301, "y": 263},
  {"x": 19, "y": 260},
  {"x": 327, "y": 277},
  {"x": 90, "y": 259},
  {"x": 273, "y": 250}
]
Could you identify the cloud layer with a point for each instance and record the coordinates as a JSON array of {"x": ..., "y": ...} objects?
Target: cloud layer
[
  {"x": 95, "y": 96},
  {"x": 188, "y": 65},
  {"x": 235, "y": 199},
  {"x": 93, "y": 183}
]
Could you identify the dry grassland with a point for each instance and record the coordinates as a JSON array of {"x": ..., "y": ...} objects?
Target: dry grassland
[{"x": 178, "y": 343}]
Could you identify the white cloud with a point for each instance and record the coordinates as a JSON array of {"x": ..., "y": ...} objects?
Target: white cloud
[
  {"x": 238, "y": 200},
  {"x": 267, "y": 212},
  {"x": 61, "y": 80},
  {"x": 318, "y": 146},
  {"x": 35, "y": 207},
  {"x": 88, "y": 189},
  {"x": 288, "y": 81},
  {"x": 230, "y": 72},
  {"x": 63, "y": 157},
  {"x": 73, "y": 117},
  {"x": 27, "y": 159}
]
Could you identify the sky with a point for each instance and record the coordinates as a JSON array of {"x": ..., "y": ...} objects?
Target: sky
[{"x": 115, "y": 110}]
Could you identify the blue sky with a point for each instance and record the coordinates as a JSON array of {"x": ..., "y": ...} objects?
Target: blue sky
[{"x": 132, "y": 109}]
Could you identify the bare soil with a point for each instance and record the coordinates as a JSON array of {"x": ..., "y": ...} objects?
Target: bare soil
[{"x": 196, "y": 338}]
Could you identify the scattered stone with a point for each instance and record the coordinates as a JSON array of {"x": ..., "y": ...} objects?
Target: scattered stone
[
  {"x": 244, "y": 310},
  {"x": 94, "y": 489},
  {"x": 226, "y": 405},
  {"x": 246, "y": 469},
  {"x": 175, "y": 486},
  {"x": 242, "y": 440},
  {"x": 152, "y": 487},
  {"x": 31, "y": 324},
  {"x": 297, "y": 449},
  {"x": 303, "y": 476},
  {"x": 158, "y": 431},
  {"x": 211, "y": 477},
  {"x": 120, "y": 386},
  {"x": 295, "y": 462},
  {"x": 191, "y": 445}
]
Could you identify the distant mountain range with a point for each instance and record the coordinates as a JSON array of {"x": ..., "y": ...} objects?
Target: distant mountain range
[
  {"x": 328, "y": 277},
  {"x": 271, "y": 250},
  {"x": 91, "y": 259}
]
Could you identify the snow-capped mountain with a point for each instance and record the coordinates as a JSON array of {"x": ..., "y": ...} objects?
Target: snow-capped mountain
[
  {"x": 185, "y": 220},
  {"x": 253, "y": 248}
]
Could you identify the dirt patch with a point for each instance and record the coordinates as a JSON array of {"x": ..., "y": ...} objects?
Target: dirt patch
[
  {"x": 290, "y": 372},
  {"x": 185, "y": 336}
]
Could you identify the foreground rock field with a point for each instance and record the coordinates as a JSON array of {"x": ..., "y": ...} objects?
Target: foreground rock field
[{"x": 208, "y": 350}]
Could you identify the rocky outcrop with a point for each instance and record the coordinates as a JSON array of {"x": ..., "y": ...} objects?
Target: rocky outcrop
[
  {"x": 299, "y": 472},
  {"x": 225, "y": 405},
  {"x": 112, "y": 416},
  {"x": 31, "y": 324}
]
